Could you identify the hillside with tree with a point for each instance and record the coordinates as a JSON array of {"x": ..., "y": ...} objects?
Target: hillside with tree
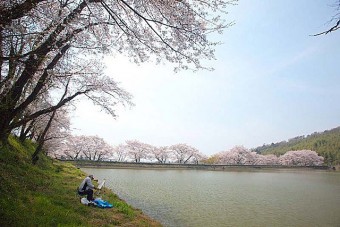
[{"x": 326, "y": 144}]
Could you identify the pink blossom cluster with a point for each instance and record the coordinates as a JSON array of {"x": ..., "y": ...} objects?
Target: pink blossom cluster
[
  {"x": 239, "y": 155},
  {"x": 96, "y": 149}
]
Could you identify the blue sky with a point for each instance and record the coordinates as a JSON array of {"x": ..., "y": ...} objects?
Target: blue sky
[{"x": 272, "y": 81}]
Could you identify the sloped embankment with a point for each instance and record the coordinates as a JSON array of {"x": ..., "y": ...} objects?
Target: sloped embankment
[{"x": 45, "y": 194}]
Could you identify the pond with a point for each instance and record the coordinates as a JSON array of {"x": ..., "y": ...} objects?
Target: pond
[{"x": 274, "y": 197}]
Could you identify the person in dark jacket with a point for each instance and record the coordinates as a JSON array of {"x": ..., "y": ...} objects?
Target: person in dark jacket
[{"x": 86, "y": 187}]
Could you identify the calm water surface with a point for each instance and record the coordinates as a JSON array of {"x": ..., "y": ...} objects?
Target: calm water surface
[{"x": 238, "y": 198}]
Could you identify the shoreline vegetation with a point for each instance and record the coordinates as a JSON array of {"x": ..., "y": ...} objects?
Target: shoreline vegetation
[
  {"x": 211, "y": 167},
  {"x": 45, "y": 194}
]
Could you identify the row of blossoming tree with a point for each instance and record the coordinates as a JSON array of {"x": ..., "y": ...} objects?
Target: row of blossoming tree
[
  {"x": 96, "y": 149},
  {"x": 241, "y": 156},
  {"x": 51, "y": 53}
]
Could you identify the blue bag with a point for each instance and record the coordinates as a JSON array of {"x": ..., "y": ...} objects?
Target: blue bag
[{"x": 102, "y": 203}]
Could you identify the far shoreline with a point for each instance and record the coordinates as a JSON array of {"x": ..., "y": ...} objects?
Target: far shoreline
[{"x": 176, "y": 166}]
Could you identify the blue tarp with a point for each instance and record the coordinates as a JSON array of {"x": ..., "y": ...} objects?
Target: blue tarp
[{"x": 102, "y": 203}]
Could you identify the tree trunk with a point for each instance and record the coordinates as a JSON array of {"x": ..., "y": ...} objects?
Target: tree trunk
[
  {"x": 4, "y": 129},
  {"x": 22, "y": 135},
  {"x": 41, "y": 139}
]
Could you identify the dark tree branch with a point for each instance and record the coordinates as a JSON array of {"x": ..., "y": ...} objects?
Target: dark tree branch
[
  {"x": 332, "y": 29},
  {"x": 17, "y": 11},
  {"x": 47, "y": 110}
]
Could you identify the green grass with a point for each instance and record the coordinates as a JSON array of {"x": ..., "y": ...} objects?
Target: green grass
[{"x": 45, "y": 194}]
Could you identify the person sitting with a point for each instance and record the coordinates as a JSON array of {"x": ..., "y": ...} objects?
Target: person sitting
[{"x": 86, "y": 188}]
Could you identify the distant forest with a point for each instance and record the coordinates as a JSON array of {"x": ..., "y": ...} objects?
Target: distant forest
[{"x": 326, "y": 144}]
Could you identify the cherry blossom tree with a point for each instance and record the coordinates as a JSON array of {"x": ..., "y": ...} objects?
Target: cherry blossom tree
[
  {"x": 96, "y": 149},
  {"x": 241, "y": 156},
  {"x": 138, "y": 150},
  {"x": 198, "y": 158},
  {"x": 91, "y": 148},
  {"x": 301, "y": 158},
  {"x": 161, "y": 154},
  {"x": 238, "y": 155},
  {"x": 121, "y": 152},
  {"x": 47, "y": 130},
  {"x": 42, "y": 136},
  {"x": 70, "y": 148},
  {"x": 269, "y": 159},
  {"x": 33, "y": 128},
  {"x": 56, "y": 46},
  {"x": 183, "y": 152}
]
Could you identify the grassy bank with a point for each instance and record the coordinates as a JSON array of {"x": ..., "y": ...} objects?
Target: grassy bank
[{"x": 45, "y": 194}]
